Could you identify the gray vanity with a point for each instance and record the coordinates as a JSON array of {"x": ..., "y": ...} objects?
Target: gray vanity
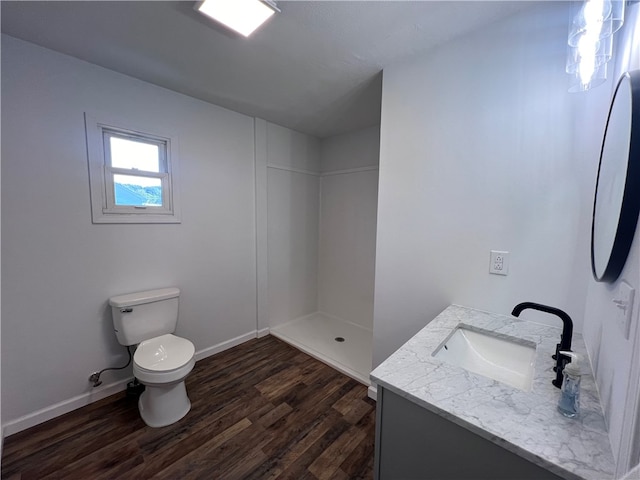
[{"x": 437, "y": 420}]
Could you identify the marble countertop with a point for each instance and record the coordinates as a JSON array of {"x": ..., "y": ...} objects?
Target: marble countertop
[{"x": 525, "y": 423}]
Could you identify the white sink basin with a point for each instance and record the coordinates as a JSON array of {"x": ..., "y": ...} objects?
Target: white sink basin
[{"x": 501, "y": 358}]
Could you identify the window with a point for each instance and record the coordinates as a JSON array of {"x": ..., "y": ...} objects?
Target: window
[{"x": 132, "y": 175}]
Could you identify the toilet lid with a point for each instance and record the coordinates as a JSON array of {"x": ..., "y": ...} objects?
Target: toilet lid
[{"x": 166, "y": 352}]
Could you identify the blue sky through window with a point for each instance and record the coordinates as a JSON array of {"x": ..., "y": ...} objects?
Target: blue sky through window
[{"x": 140, "y": 157}]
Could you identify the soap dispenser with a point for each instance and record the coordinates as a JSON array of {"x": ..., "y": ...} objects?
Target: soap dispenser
[{"x": 569, "y": 403}]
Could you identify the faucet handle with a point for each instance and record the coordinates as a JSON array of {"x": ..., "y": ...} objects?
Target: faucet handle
[{"x": 561, "y": 362}]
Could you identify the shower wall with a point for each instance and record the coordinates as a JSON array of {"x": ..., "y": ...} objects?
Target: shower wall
[
  {"x": 321, "y": 203},
  {"x": 348, "y": 209},
  {"x": 293, "y": 196}
]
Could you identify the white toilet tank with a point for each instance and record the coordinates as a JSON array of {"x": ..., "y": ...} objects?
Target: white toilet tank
[{"x": 144, "y": 315}]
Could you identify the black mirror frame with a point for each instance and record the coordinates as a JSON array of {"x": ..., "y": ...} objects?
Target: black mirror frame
[{"x": 630, "y": 208}]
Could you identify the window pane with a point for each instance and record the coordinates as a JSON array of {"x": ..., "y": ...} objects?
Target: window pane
[
  {"x": 126, "y": 153},
  {"x": 137, "y": 191}
]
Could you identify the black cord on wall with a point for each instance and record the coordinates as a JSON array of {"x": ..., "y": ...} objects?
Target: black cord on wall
[{"x": 95, "y": 376}]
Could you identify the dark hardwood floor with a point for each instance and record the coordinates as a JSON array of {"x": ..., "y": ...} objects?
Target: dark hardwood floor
[{"x": 260, "y": 410}]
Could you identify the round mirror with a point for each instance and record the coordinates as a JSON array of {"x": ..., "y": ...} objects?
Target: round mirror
[{"x": 617, "y": 198}]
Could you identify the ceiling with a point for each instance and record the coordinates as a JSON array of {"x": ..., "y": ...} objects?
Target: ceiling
[{"x": 315, "y": 67}]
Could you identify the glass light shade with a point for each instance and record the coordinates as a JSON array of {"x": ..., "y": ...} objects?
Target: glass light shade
[
  {"x": 607, "y": 26},
  {"x": 602, "y": 51},
  {"x": 590, "y": 41},
  {"x": 592, "y": 20},
  {"x": 617, "y": 14},
  {"x": 579, "y": 84}
]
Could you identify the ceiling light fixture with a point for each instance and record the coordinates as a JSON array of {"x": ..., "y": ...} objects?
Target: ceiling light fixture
[{"x": 243, "y": 16}]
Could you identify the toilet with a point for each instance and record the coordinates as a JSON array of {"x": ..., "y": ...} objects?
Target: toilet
[{"x": 162, "y": 360}]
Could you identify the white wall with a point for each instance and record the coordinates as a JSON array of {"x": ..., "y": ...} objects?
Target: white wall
[
  {"x": 476, "y": 154},
  {"x": 292, "y": 150},
  {"x": 615, "y": 359},
  {"x": 58, "y": 269},
  {"x": 348, "y": 208},
  {"x": 357, "y": 149},
  {"x": 293, "y": 195}
]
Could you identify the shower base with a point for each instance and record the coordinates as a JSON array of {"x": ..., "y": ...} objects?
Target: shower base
[{"x": 345, "y": 346}]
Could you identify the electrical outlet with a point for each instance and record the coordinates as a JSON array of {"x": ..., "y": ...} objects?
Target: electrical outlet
[{"x": 499, "y": 262}]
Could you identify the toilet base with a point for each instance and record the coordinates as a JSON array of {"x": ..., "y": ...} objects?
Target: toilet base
[{"x": 163, "y": 405}]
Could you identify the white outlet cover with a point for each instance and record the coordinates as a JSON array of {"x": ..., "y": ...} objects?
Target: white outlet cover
[{"x": 499, "y": 262}]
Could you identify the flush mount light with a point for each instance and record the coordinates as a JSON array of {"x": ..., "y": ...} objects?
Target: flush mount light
[{"x": 243, "y": 16}]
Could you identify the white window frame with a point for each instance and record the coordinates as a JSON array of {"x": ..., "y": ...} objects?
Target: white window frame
[{"x": 103, "y": 208}]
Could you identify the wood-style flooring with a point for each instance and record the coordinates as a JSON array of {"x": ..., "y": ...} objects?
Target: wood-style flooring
[{"x": 260, "y": 410}]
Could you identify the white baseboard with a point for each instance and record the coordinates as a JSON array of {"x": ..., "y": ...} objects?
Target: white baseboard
[
  {"x": 66, "y": 406},
  {"x": 221, "y": 347},
  {"x": 263, "y": 332},
  {"x": 372, "y": 393}
]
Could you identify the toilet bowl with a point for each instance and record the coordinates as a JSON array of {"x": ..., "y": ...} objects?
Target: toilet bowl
[{"x": 162, "y": 364}]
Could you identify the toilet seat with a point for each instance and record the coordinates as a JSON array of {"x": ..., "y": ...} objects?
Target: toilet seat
[
  {"x": 163, "y": 359},
  {"x": 164, "y": 353}
]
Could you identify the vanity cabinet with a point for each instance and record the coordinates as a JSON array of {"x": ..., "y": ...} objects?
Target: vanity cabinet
[
  {"x": 438, "y": 420},
  {"x": 414, "y": 443}
]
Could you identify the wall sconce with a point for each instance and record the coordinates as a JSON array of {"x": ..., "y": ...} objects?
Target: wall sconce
[{"x": 591, "y": 41}]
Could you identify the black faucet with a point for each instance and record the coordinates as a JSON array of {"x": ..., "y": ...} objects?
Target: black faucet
[{"x": 565, "y": 338}]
